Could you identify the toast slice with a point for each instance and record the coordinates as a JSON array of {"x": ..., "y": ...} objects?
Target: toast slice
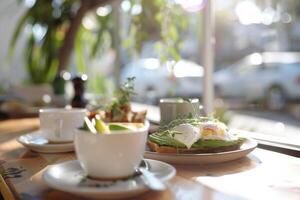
[{"x": 169, "y": 149}]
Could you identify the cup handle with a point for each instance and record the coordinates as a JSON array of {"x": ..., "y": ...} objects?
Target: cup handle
[{"x": 59, "y": 124}]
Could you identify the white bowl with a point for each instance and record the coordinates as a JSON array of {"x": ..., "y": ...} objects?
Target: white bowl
[{"x": 110, "y": 156}]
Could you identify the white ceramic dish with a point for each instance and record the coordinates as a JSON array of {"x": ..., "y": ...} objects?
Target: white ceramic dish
[
  {"x": 37, "y": 142},
  {"x": 125, "y": 146},
  {"x": 205, "y": 158},
  {"x": 70, "y": 177}
]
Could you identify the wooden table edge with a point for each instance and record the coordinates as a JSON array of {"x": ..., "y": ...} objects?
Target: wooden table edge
[{"x": 6, "y": 191}]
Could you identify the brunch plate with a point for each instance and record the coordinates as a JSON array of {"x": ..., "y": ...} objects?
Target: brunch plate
[
  {"x": 204, "y": 158},
  {"x": 70, "y": 177},
  {"x": 37, "y": 142}
]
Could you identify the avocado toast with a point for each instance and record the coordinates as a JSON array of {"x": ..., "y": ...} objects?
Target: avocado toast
[{"x": 201, "y": 135}]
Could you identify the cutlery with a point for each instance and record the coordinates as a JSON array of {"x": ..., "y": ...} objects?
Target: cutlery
[{"x": 149, "y": 178}]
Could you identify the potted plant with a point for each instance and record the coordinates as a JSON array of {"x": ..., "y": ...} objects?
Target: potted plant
[{"x": 56, "y": 31}]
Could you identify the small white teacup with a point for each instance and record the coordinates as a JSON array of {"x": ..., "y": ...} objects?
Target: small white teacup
[
  {"x": 58, "y": 124},
  {"x": 171, "y": 108},
  {"x": 110, "y": 156}
]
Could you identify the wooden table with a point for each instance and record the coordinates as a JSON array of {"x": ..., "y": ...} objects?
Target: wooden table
[{"x": 262, "y": 175}]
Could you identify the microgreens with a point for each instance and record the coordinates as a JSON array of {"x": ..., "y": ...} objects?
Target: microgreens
[{"x": 193, "y": 121}]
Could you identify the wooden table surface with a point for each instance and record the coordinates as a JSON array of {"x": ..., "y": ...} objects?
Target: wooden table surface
[{"x": 261, "y": 175}]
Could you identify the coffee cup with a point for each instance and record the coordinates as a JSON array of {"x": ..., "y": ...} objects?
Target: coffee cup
[
  {"x": 172, "y": 108},
  {"x": 58, "y": 124},
  {"x": 110, "y": 156}
]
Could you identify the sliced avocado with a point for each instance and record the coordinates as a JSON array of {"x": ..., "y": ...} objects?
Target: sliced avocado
[
  {"x": 166, "y": 140},
  {"x": 101, "y": 127},
  {"x": 118, "y": 127},
  {"x": 216, "y": 143}
]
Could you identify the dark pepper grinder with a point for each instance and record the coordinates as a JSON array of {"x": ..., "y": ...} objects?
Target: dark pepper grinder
[{"x": 78, "y": 100}]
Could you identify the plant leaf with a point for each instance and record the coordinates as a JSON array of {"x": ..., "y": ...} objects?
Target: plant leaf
[
  {"x": 104, "y": 25},
  {"x": 17, "y": 32},
  {"x": 79, "y": 54}
]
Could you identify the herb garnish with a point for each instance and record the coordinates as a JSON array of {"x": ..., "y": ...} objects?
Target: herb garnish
[
  {"x": 120, "y": 107},
  {"x": 178, "y": 121}
]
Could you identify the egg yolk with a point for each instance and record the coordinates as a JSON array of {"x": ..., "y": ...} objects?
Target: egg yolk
[{"x": 206, "y": 131}]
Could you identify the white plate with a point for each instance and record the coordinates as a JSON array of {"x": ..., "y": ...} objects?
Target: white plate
[
  {"x": 36, "y": 142},
  {"x": 69, "y": 177},
  {"x": 205, "y": 158}
]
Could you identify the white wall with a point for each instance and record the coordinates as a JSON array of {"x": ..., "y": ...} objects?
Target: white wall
[{"x": 14, "y": 71}]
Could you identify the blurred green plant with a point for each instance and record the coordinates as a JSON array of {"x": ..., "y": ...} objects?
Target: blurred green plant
[
  {"x": 45, "y": 25},
  {"x": 161, "y": 21},
  {"x": 55, "y": 30},
  {"x": 2, "y": 90},
  {"x": 100, "y": 84},
  {"x": 173, "y": 23}
]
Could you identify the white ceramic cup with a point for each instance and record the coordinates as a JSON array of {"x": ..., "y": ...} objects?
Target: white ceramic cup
[
  {"x": 172, "y": 108},
  {"x": 58, "y": 124},
  {"x": 110, "y": 156}
]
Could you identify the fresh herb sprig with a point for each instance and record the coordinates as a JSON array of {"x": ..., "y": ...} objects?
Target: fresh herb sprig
[
  {"x": 121, "y": 105},
  {"x": 178, "y": 121},
  {"x": 126, "y": 91}
]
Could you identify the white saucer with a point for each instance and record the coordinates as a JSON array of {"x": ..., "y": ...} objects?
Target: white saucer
[
  {"x": 37, "y": 142},
  {"x": 70, "y": 177}
]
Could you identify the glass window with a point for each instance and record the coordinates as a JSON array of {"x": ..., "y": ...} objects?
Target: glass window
[{"x": 256, "y": 65}]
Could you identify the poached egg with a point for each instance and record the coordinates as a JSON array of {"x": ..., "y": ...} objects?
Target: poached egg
[
  {"x": 210, "y": 130},
  {"x": 188, "y": 134},
  {"x": 214, "y": 130}
]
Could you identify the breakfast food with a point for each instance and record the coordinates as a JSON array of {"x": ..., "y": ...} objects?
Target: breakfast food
[
  {"x": 97, "y": 125},
  {"x": 120, "y": 109},
  {"x": 201, "y": 135},
  {"x": 117, "y": 116}
]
